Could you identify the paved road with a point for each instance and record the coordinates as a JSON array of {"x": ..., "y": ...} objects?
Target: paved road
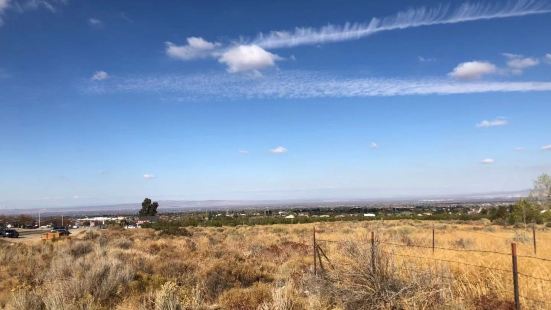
[{"x": 30, "y": 235}]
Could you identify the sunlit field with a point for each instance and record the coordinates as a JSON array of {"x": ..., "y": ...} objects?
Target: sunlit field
[{"x": 272, "y": 267}]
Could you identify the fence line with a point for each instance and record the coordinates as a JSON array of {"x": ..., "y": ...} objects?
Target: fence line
[
  {"x": 447, "y": 261},
  {"x": 446, "y": 249},
  {"x": 515, "y": 273}
]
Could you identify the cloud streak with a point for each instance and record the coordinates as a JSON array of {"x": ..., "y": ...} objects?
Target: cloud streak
[
  {"x": 299, "y": 84},
  {"x": 252, "y": 54},
  {"x": 402, "y": 20},
  {"x": 500, "y": 121}
]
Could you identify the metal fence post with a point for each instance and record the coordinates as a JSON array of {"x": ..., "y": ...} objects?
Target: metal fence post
[
  {"x": 534, "y": 236},
  {"x": 515, "y": 275},
  {"x": 432, "y": 238},
  {"x": 314, "y": 249},
  {"x": 372, "y": 252}
]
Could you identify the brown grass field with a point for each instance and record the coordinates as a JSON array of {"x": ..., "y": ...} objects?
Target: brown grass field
[{"x": 271, "y": 267}]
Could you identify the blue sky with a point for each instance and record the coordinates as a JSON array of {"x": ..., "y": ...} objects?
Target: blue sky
[{"x": 108, "y": 102}]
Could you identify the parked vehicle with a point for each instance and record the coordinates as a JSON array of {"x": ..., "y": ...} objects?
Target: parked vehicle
[
  {"x": 61, "y": 231},
  {"x": 9, "y": 233}
]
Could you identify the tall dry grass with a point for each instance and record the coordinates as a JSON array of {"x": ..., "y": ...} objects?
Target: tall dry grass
[{"x": 270, "y": 267}]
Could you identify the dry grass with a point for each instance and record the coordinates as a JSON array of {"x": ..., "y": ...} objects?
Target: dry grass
[{"x": 270, "y": 267}]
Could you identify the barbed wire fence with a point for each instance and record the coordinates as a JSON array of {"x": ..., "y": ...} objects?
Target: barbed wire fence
[{"x": 513, "y": 274}]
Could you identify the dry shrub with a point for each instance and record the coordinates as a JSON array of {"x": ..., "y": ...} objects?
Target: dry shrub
[
  {"x": 80, "y": 248},
  {"x": 123, "y": 243},
  {"x": 492, "y": 302},
  {"x": 521, "y": 236},
  {"x": 283, "y": 298},
  {"x": 224, "y": 275},
  {"x": 166, "y": 298},
  {"x": 463, "y": 243},
  {"x": 88, "y": 280},
  {"x": 246, "y": 299},
  {"x": 25, "y": 299},
  {"x": 354, "y": 285}
]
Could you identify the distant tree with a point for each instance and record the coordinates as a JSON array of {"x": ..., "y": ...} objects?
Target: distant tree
[
  {"x": 541, "y": 192},
  {"x": 525, "y": 212},
  {"x": 149, "y": 208}
]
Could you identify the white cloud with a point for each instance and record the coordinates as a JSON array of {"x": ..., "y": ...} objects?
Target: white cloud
[
  {"x": 247, "y": 58},
  {"x": 99, "y": 76},
  {"x": 548, "y": 58},
  {"x": 402, "y": 20},
  {"x": 373, "y": 145},
  {"x": 300, "y": 85},
  {"x": 196, "y": 47},
  {"x": 499, "y": 121},
  {"x": 28, "y": 5},
  {"x": 148, "y": 176},
  {"x": 518, "y": 63},
  {"x": 425, "y": 59},
  {"x": 487, "y": 161},
  {"x": 519, "y": 148},
  {"x": 256, "y": 55},
  {"x": 279, "y": 150},
  {"x": 4, "y": 5},
  {"x": 472, "y": 70},
  {"x": 546, "y": 147},
  {"x": 94, "y": 22},
  {"x": 243, "y": 152}
]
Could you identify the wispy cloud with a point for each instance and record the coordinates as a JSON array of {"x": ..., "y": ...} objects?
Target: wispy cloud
[
  {"x": 519, "y": 148},
  {"x": 243, "y": 152},
  {"x": 546, "y": 147},
  {"x": 196, "y": 47},
  {"x": 99, "y": 76},
  {"x": 487, "y": 161},
  {"x": 299, "y": 84},
  {"x": 518, "y": 63},
  {"x": 22, "y": 6},
  {"x": 148, "y": 176},
  {"x": 94, "y": 22},
  {"x": 279, "y": 150},
  {"x": 254, "y": 52},
  {"x": 402, "y": 20},
  {"x": 472, "y": 70},
  {"x": 499, "y": 121},
  {"x": 374, "y": 145}
]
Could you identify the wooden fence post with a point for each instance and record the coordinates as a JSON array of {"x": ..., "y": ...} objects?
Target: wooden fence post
[
  {"x": 433, "y": 239},
  {"x": 534, "y": 236},
  {"x": 314, "y": 249},
  {"x": 515, "y": 275},
  {"x": 373, "y": 252}
]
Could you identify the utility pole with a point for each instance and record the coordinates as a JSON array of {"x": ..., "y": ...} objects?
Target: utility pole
[{"x": 39, "y": 219}]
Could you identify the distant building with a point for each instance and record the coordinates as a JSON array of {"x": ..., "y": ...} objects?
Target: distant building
[
  {"x": 369, "y": 215},
  {"x": 290, "y": 216}
]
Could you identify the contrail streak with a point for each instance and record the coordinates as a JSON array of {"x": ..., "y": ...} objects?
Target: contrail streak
[{"x": 402, "y": 20}]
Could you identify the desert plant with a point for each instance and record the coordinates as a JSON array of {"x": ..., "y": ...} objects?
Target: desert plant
[{"x": 166, "y": 298}]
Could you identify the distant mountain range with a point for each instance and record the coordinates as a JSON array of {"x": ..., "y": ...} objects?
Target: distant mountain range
[{"x": 195, "y": 205}]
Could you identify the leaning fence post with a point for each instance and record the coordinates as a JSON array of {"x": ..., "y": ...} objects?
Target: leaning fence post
[
  {"x": 534, "y": 237},
  {"x": 314, "y": 248},
  {"x": 432, "y": 238},
  {"x": 515, "y": 275},
  {"x": 372, "y": 252}
]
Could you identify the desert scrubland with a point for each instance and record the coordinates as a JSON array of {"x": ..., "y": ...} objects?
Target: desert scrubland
[{"x": 272, "y": 267}]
